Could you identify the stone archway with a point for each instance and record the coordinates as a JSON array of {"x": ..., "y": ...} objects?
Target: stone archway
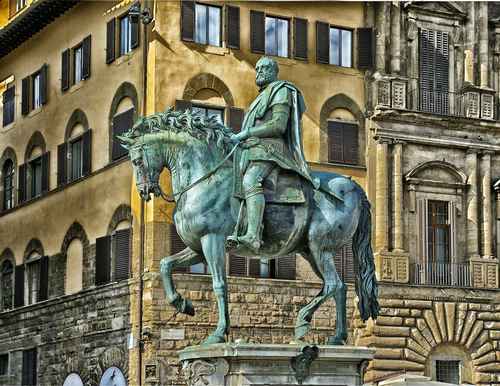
[{"x": 207, "y": 81}]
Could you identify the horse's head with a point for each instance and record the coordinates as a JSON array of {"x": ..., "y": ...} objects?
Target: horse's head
[{"x": 147, "y": 160}]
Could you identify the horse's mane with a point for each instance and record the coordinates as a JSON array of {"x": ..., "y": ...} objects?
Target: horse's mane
[{"x": 196, "y": 125}]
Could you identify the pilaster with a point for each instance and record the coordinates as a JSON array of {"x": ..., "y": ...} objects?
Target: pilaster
[
  {"x": 472, "y": 205},
  {"x": 487, "y": 225}
]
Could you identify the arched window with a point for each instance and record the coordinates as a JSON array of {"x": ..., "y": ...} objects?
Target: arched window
[
  {"x": 113, "y": 376},
  {"x": 6, "y": 287},
  {"x": 8, "y": 184},
  {"x": 343, "y": 137},
  {"x": 34, "y": 173},
  {"x": 35, "y": 275},
  {"x": 74, "y": 267},
  {"x": 123, "y": 120},
  {"x": 73, "y": 379}
]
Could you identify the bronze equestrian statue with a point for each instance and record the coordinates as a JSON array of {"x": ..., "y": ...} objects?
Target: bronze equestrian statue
[{"x": 215, "y": 172}]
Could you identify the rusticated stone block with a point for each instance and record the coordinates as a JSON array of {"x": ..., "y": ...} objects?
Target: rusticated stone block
[
  {"x": 419, "y": 304},
  {"x": 389, "y": 320}
]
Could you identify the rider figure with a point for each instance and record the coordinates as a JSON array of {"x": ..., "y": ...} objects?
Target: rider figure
[{"x": 270, "y": 138}]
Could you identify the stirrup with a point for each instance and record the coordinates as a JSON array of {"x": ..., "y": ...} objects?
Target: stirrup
[{"x": 254, "y": 244}]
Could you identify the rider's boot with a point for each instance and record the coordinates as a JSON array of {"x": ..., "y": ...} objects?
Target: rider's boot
[{"x": 255, "y": 213}]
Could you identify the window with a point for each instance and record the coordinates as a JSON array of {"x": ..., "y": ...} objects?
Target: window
[
  {"x": 4, "y": 364},
  {"x": 20, "y": 4},
  {"x": 121, "y": 123},
  {"x": 209, "y": 112},
  {"x": 16, "y": 6},
  {"x": 281, "y": 268},
  {"x": 276, "y": 36},
  {"x": 32, "y": 281},
  {"x": 8, "y": 105},
  {"x": 34, "y": 90},
  {"x": 77, "y": 63},
  {"x": 6, "y": 292},
  {"x": 76, "y": 153},
  {"x": 342, "y": 142},
  {"x": 207, "y": 25},
  {"x": 448, "y": 371},
  {"x": 29, "y": 376},
  {"x": 438, "y": 239},
  {"x": 113, "y": 255},
  {"x": 340, "y": 47},
  {"x": 36, "y": 177},
  {"x": 8, "y": 184},
  {"x": 36, "y": 87},
  {"x": 125, "y": 35},
  {"x": 73, "y": 379}
]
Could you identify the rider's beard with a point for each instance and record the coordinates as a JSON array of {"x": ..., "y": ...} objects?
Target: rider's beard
[{"x": 264, "y": 79}]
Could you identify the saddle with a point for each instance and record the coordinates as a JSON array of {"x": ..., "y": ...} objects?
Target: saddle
[{"x": 283, "y": 187}]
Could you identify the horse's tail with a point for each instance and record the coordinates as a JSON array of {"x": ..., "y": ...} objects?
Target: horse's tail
[{"x": 366, "y": 282}]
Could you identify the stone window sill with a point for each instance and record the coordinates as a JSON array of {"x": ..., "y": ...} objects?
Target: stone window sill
[
  {"x": 34, "y": 112},
  {"x": 124, "y": 58},
  {"x": 207, "y": 49}
]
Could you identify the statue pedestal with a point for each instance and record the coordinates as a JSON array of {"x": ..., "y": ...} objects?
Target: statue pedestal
[{"x": 245, "y": 364}]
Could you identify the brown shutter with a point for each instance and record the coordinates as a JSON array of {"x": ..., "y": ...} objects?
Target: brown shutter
[
  {"x": 121, "y": 124},
  {"x": 19, "y": 286},
  {"x": 187, "y": 20},
  {"x": 29, "y": 374},
  {"x": 322, "y": 42},
  {"x": 299, "y": 38},
  {"x": 121, "y": 248},
  {"x": 44, "y": 279},
  {"x": 257, "y": 32},
  {"x": 233, "y": 27},
  {"x": 61, "y": 163},
  {"x": 65, "y": 70},
  {"x": 86, "y": 52},
  {"x": 12, "y": 8},
  {"x": 102, "y": 260},
  {"x": 110, "y": 40},
  {"x": 45, "y": 172},
  {"x": 237, "y": 266},
  {"x": 286, "y": 267},
  {"x": 135, "y": 28},
  {"x": 350, "y": 137},
  {"x": 335, "y": 142},
  {"x": 254, "y": 267},
  {"x": 22, "y": 182},
  {"x": 44, "y": 85},
  {"x": 366, "y": 48},
  {"x": 236, "y": 116},
  {"x": 87, "y": 152},
  {"x": 182, "y": 105},
  {"x": 25, "y": 97}
]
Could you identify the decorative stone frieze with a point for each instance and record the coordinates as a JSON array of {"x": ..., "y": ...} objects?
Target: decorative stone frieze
[
  {"x": 393, "y": 267},
  {"x": 484, "y": 272}
]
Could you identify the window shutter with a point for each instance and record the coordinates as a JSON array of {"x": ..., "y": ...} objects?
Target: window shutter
[
  {"x": 233, "y": 27},
  {"x": 121, "y": 251},
  {"x": 61, "y": 163},
  {"x": 86, "y": 51},
  {"x": 134, "y": 33},
  {"x": 121, "y": 123},
  {"x": 65, "y": 70},
  {"x": 257, "y": 32},
  {"x": 236, "y": 116},
  {"x": 44, "y": 92},
  {"x": 8, "y": 105},
  {"x": 176, "y": 243},
  {"x": 350, "y": 136},
  {"x": 87, "y": 152},
  {"x": 299, "y": 38},
  {"x": 29, "y": 375},
  {"x": 322, "y": 42},
  {"x": 254, "y": 267},
  {"x": 44, "y": 279},
  {"x": 25, "y": 97},
  {"x": 102, "y": 260},
  {"x": 22, "y": 182},
  {"x": 110, "y": 40},
  {"x": 45, "y": 172},
  {"x": 19, "y": 286},
  {"x": 187, "y": 20},
  {"x": 237, "y": 265},
  {"x": 182, "y": 105},
  {"x": 286, "y": 267},
  {"x": 366, "y": 48},
  {"x": 2, "y": 201},
  {"x": 335, "y": 142}
]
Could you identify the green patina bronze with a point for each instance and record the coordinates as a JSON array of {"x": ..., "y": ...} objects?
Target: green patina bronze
[{"x": 252, "y": 194}]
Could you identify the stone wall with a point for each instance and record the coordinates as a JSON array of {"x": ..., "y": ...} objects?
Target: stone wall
[{"x": 83, "y": 333}]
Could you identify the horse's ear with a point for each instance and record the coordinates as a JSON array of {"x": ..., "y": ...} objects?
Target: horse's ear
[{"x": 125, "y": 142}]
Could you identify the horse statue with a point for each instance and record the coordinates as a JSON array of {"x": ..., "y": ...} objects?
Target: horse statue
[{"x": 197, "y": 151}]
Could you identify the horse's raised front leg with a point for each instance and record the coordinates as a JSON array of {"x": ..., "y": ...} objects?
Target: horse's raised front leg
[
  {"x": 215, "y": 256},
  {"x": 185, "y": 258}
]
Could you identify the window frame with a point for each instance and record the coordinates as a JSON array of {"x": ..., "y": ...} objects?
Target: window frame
[
  {"x": 208, "y": 106},
  {"x": 341, "y": 28},
  {"x": 36, "y": 75},
  {"x": 74, "y": 79},
  {"x": 288, "y": 20},
  {"x": 432, "y": 226},
  {"x": 11, "y": 177},
  {"x": 129, "y": 34},
  {"x": 207, "y": 28},
  {"x": 29, "y": 290},
  {"x": 32, "y": 180},
  {"x": 448, "y": 361},
  {"x": 71, "y": 142}
]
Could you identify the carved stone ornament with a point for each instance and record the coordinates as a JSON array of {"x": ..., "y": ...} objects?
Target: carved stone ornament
[
  {"x": 301, "y": 364},
  {"x": 456, "y": 36},
  {"x": 412, "y": 30},
  {"x": 196, "y": 372}
]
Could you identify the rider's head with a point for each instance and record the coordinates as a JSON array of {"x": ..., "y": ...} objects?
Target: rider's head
[{"x": 266, "y": 71}]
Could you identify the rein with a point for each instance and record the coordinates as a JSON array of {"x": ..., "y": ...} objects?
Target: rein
[{"x": 173, "y": 197}]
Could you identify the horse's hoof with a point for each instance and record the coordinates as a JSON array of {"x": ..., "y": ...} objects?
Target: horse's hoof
[
  {"x": 336, "y": 341},
  {"x": 232, "y": 243},
  {"x": 213, "y": 339}
]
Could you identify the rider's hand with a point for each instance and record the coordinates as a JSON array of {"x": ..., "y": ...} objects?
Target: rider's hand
[
  {"x": 234, "y": 138},
  {"x": 241, "y": 136}
]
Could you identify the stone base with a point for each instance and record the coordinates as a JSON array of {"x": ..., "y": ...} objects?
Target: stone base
[{"x": 244, "y": 364}]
